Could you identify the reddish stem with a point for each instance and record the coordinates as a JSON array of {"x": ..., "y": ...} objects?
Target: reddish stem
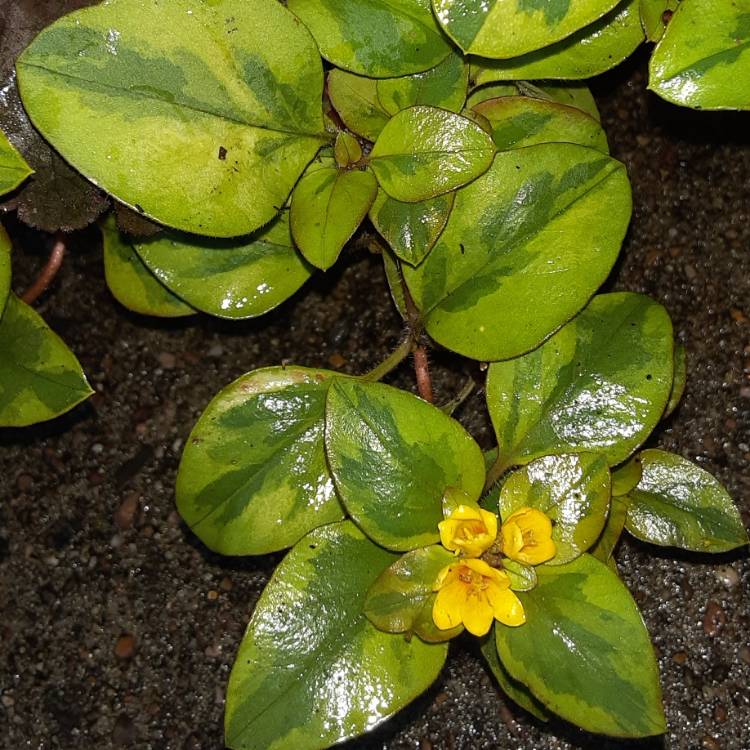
[
  {"x": 422, "y": 370},
  {"x": 47, "y": 274}
]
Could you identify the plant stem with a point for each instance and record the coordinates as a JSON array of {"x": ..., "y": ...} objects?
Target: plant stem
[
  {"x": 496, "y": 471},
  {"x": 464, "y": 393},
  {"x": 398, "y": 355},
  {"x": 47, "y": 274},
  {"x": 422, "y": 371}
]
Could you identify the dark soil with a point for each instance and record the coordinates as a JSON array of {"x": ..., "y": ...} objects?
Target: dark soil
[{"x": 119, "y": 628}]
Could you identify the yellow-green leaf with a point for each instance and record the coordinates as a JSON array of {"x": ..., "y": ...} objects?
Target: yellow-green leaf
[
  {"x": 5, "y": 248},
  {"x": 13, "y": 169},
  {"x": 355, "y": 98}
]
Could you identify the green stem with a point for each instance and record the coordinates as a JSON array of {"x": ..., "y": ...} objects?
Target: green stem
[
  {"x": 399, "y": 354},
  {"x": 496, "y": 471},
  {"x": 454, "y": 403}
]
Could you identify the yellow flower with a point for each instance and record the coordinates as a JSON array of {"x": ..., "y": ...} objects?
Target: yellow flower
[
  {"x": 468, "y": 530},
  {"x": 473, "y": 593},
  {"x": 527, "y": 537}
]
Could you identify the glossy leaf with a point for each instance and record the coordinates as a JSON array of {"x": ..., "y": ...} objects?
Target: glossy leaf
[
  {"x": 253, "y": 477},
  {"x": 600, "y": 384},
  {"x": 424, "y": 151},
  {"x": 515, "y": 690},
  {"x": 205, "y": 128},
  {"x": 5, "y": 248},
  {"x": 411, "y": 229},
  {"x": 311, "y": 670},
  {"x": 347, "y": 150},
  {"x": 130, "y": 281},
  {"x": 392, "y": 456},
  {"x": 240, "y": 278},
  {"x": 626, "y": 477},
  {"x": 376, "y": 38},
  {"x": 678, "y": 504},
  {"x": 522, "y": 577},
  {"x": 491, "y": 91},
  {"x": 655, "y": 15},
  {"x": 520, "y": 121},
  {"x": 13, "y": 169},
  {"x": 703, "y": 59},
  {"x": 40, "y": 378},
  {"x": 401, "y": 599},
  {"x": 355, "y": 98},
  {"x": 442, "y": 86},
  {"x": 501, "y": 30},
  {"x": 573, "y": 490},
  {"x": 327, "y": 207},
  {"x": 680, "y": 379},
  {"x": 584, "y": 651},
  {"x": 589, "y": 52},
  {"x": 526, "y": 246},
  {"x": 605, "y": 545}
]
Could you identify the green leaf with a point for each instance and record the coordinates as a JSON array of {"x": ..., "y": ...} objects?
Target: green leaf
[
  {"x": 401, "y": 599},
  {"x": 680, "y": 379},
  {"x": 655, "y": 14},
  {"x": 526, "y": 246},
  {"x": 311, "y": 670},
  {"x": 501, "y": 30},
  {"x": 347, "y": 150},
  {"x": 584, "y": 651},
  {"x": 515, "y": 690},
  {"x": 237, "y": 279},
  {"x": 590, "y": 51},
  {"x": 678, "y": 504},
  {"x": 600, "y": 384},
  {"x": 5, "y": 272},
  {"x": 40, "y": 378},
  {"x": 355, "y": 98},
  {"x": 442, "y": 86},
  {"x": 411, "y": 229},
  {"x": 520, "y": 121},
  {"x": 573, "y": 490},
  {"x": 392, "y": 268},
  {"x": 253, "y": 477},
  {"x": 703, "y": 59},
  {"x": 376, "y": 38},
  {"x": 424, "y": 151},
  {"x": 606, "y": 543},
  {"x": 204, "y": 114},
  {"x": 130, "y": 281},
  {"x": 392, "y": 456},
  {"x": 13, "y": 169},
  {"x": 522, "y": 577},
  {"x": 327, "y": 207},
  {"x": 627, "y": 476},
  {"x": 490, "y": 91}
]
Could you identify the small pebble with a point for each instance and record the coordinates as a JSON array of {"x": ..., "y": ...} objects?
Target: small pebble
[
  {"x": 336, "y": 361},
  {"x": 125, "y": 514},
  {"x": 216, "y": 351},
  {"x": 226, "y": 584},
  {"x": 727, "y": 575},
  {"x": 212, "y": 596},
  {"x": 745, "y": 654},
  {"x": 167, "y": 360},
  {"x": 680, "y": 658},
  {"x": 425, "y": 744},
  {"x": 440, "y": 698},
  {"x": 713, "y": 619},
  {"x": 8, "y": 701},
  {"x": 720, "y": 713},
  {"x": 125, "y": 646},
  {"x": 709, "y": 743}
]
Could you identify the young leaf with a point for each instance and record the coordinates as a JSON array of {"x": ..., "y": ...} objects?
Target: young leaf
[
  {"x": 424, "y": 151},
  {"x": 40, "y": 378},
  {"x": 680, "y": 379},
  {"x": 392, "y": 456},
  {"x": 253, "y": 477},
  {"x": 5, "y": 248},
  {"x": 590, "y": 51},
  {"x": 377, "y": 39},
  {"x": 442, "y": 86},
  {"x": 327, "y": 207},
  {"x": 401, "y": 599},
  {"x": 703, "y": 59},
  {"x": 584, "y": 651},
  {"x": 491, "y": 91},
  {"x": 526, "y": 246},
  {"x": 520, "y": 121},
  {"x": 502, "y": 30},
  {"x": 13, "y": 169},
  {"x": 347, "y": 150},
  {"x": 678, "y": 504},
  {"x": 515, "y": 690},
  {"x": 655, "y": 15},
  {"x": 411, "y": 229},
  {"x": 355, "y": 98},
  {"x": 392, "y": 268},
  {"x": 606, "y": 543},
  {"x": 626, "y": 477},
  {"x": 573, "y": 490},
  {"x": 522, "y": 577},
  {"x": 205, "y": 128},
  {"x": 599, "y": 384},
  {"x": 311, "y": 670},
  {"x": 130, "y": 281},
  {"x": 237, "y": 279}
]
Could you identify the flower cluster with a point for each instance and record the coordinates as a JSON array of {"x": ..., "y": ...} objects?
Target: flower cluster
[{"x": 473, "y": 593}]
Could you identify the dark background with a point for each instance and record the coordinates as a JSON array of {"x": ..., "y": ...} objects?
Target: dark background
[{"x": 118, "y": 628}]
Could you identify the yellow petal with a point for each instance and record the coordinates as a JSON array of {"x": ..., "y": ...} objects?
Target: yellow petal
[
  {"x": 540, "y": 552},
  {"x": 506, "y": 606},
  {"x": 446, "y": 611},
  {"x": 447, "y": 575},
  {"x": 490, "y": 522},
  {"x": 466, "y": 513},
  {"x": 477, "y": 615},
  {"x": 533, "y": 520},
  {"x": 512, "y": 538},
  {"x": 448, "y": 529},
  {"x": 479, "y": 566}
]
